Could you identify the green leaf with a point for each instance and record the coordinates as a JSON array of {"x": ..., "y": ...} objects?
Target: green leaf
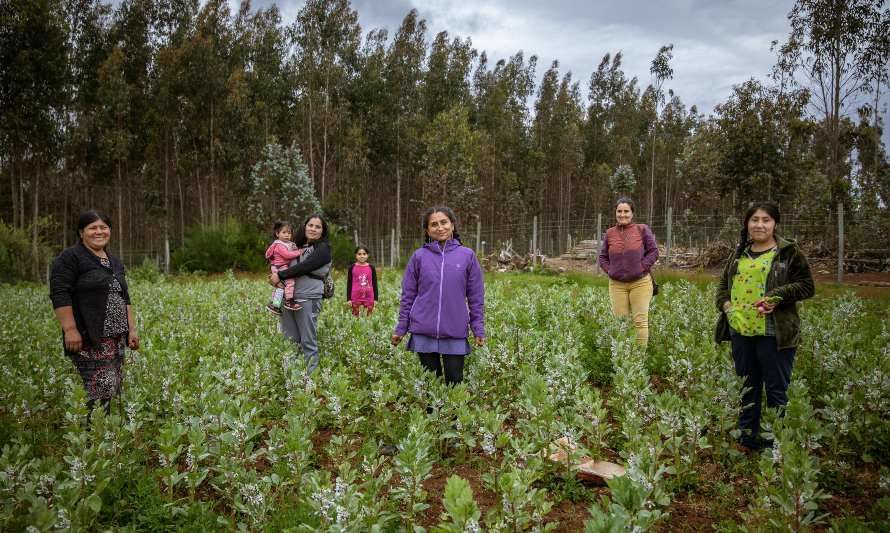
[{"x": 94, "y": 502}]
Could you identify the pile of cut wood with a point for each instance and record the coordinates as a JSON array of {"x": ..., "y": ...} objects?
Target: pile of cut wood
[
  {"x": 583, "y": 250},
  {"x": 507, "y": 259}
]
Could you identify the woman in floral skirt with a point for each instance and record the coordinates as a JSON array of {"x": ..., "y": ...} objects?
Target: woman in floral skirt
[{"x": 88, "y": 289}]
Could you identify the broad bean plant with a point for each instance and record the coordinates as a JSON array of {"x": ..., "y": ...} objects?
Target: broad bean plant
[{"x": 219, "y": 426}]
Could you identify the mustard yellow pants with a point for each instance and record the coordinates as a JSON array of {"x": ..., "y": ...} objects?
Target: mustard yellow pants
[{"x": 632, "y": 298}]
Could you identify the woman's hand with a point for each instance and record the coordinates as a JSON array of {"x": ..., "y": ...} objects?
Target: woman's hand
[
  {"x": 395, "y": 340},
  {"x": 727, "y": 305},
  {"x": 764, "y": 306},
  {"x": 133, "y": 340},
  {"x": 479, "y": 341},
  {"x": 73, "y": 340},
  {"x": 274, "y": 280}
]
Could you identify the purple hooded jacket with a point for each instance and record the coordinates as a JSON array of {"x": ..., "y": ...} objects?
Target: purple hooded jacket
[{"x": 442, "y": 293}]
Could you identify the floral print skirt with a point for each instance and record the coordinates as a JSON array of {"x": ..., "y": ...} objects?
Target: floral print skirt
[{"x": 101, "y": 367}]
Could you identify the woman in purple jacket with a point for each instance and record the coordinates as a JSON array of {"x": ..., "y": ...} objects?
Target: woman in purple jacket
[
  {"x": 443, "y": 296},
  {"x": 626, "y": 256}
]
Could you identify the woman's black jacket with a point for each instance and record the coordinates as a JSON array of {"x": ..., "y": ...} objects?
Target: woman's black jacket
[{"x": 78, "y": 279}]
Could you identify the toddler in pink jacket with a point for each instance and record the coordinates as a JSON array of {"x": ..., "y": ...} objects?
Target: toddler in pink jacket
[{"x": 279, "y": 254}]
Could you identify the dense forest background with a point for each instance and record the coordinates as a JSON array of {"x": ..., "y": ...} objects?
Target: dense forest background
[{"x": 159, "y": 111}]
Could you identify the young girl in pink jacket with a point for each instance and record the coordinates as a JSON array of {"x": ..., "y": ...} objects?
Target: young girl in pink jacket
[{"x": 279, "y": 254}]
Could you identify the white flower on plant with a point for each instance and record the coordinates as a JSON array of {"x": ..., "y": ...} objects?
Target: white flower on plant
[
  {"x": 472, "y": 526},
  {"x": 505, "y": 503},
  {"x": 488, "y": 443},
  {"x": 252, "y": 495},
  {"x": 45, "y": 485},
  {"x": 62, "y": 521},
  {"x": 776, "y": 455},
  {"x": 78, "y": 471},
  {"x": 324, "y": 500},
  {"x": 334, "y": 404}
]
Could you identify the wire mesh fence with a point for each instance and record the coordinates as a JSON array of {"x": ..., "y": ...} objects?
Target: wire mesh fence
[{"x": 823, "y": 233}]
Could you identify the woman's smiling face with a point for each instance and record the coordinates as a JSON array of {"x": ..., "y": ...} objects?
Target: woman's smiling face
[
  {"x": 313, "y": 229},
  {"x": 439, "y": 227},
  {"x": 96, "y": 235}
]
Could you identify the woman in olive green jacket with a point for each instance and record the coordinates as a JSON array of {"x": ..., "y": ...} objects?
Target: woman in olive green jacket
[{"x": 757, "y": 299}]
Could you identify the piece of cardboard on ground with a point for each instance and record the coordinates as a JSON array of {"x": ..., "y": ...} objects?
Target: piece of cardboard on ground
[{"x": 585, "y": 468}]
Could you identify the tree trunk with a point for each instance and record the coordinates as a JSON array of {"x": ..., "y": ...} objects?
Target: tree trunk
[
  {"x": 13, "y": 192},
  {"x": 21, "y": 193},
  {"x": 64, "y": 217},
  {"x": 120, "y": 214},
  {"x": 179, "y": 186},
  {"x": 35, "y": 251},
  {"x": 200, "y": 198},
  {"x": 166, "y": 200},
  {"x": 211, "y": 176},
  {"x": 324, "y": 145},
  {"x": 311, "y": 147},
  {"x": 652, "y": 173},
  {"x": 398, "y": 205}
]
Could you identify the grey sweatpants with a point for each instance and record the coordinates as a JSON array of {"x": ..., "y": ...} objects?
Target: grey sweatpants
[{"x": 299, "y": 326}]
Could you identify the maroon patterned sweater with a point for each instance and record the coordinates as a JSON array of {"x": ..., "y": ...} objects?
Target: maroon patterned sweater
[{"x": 628, "y": 252}]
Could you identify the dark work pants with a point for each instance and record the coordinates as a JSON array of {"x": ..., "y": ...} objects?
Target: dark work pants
[
  {"x": 763, "y": 366},
  {"x": 453, "y": 364}
]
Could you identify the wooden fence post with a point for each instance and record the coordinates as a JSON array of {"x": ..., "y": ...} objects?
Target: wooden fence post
[
  {"x": 599, "y": 237},
  {"x": 840, "y": 242},
  {"x": 667, "y": 244}
]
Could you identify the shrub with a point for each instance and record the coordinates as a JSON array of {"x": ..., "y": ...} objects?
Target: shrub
[
  {"x": 342, "y": 247},
  {"x": 229, "y": 246},
  {"x": 147, "y": 271},
  {"x": 16, "y": 258}
]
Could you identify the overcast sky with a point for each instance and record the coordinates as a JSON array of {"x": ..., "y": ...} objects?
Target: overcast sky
[{"x": 717, "y": 43}]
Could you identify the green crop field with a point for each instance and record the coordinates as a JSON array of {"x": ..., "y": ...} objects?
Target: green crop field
[{"x": 218, "y": 426}]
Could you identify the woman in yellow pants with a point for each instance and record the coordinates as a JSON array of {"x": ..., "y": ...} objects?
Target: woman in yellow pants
[{"x": 627, "y": 254}]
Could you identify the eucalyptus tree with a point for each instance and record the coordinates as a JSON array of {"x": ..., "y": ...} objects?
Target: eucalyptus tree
[
  {"x": 88, "y": 24},
  {"x": 169, "y": 92},
  {"x": 661, "y": 71},
  {"x": 208, "y": 72},
  {"x": 327, "y": 37},
  {"x": 536, "y": 183},
  {"x": 447, "y": 163},
  {"x": 836, "y": 49},
  {"x": 502, "y": 118},
  {"x": 33, "y": 76},
  {"x": 114, "y": 133},
  {"x": 761, "y": 155},
  {"x": 610, "y": 129},
  {"x": 558, "y": 144},
  {"x": 447, "y": 80},
  {"x": 403, "y": 75}
]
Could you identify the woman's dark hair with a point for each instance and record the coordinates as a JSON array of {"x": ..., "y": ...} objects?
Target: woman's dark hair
[
  {"x": 625, "y": 200},
  {"x": 771, "y": 208},
  {"x": 280, "y": 225},
  {"x": 88, "y": 217},
  {"x": 300, "y": 234},
  {"x": 445, "y": 210},
  {"x": 360, "y": 248}
]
